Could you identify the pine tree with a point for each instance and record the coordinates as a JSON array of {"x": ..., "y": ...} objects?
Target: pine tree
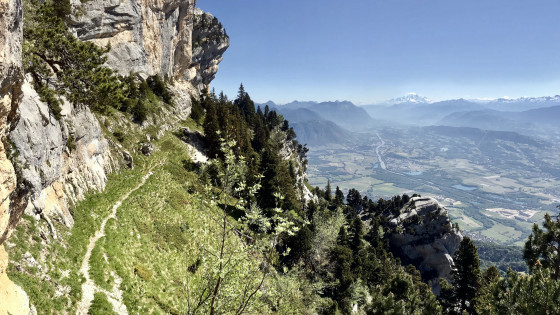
[
  {"x": 211, "y": 129},
  {"x": 353, "y": 198},
  {"x": 260, "y": 135},
  {"x": 342, "y": 238},
  {"x": 62, "y": 65},
  {"x": 543, "y": 246},
  {"x": 338, "y": 197},
  {"x": 466, "y": 276},
  {"x": 328, "y": 193},
  {"x": 357, "y": 234},
  {"x": 341, "y": 257},
  {"x": 247, "y": 106},
  {"x": 268, "y": 168}
]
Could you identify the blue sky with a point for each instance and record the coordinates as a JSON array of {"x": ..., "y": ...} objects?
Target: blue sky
[{"x": 371, "y": 50}]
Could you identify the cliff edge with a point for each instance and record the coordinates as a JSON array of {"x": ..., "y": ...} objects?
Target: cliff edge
[
  {"x": 60, "y": 160},
  {"x": 48, "y": 164},
  {"x": 14, "y": 300},
  {"x": 424, "y": 236}
]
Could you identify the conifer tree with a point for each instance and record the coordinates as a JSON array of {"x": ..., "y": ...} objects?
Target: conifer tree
[
  {"x": 342, "y": 238},
  {"x": 328, "y": 193},
  {"x": 244, "y": 102},
  {"x": 260, "y": 135},
  {"x": 357, "y": 234},
  {"x": 544, "y": 246},
  {"x": 211, "y": 129},
  {"x": 60, "y": 64},
  {"x": 466, "y": 276},
  {"x": 268, "y": 168},
  {"x": 338, "y": 197},
  {"x": 353, "y": 198}
]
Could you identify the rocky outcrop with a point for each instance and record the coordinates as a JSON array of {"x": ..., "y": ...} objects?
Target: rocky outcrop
[
  {"x": 153, "y": 37},
  {"x": 59, "y": 160},
  {"x": 14, "y": 300},
  {"x": 424, "y": 236},
  {"x": 210, "y": 42},
  {"x": 10, "y": 93}
]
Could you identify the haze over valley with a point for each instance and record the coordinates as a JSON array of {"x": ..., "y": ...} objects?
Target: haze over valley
[{"x": 492, "y": 163}]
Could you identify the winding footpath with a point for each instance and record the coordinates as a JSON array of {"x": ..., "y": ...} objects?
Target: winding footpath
[{"x": 89, "y": 288}]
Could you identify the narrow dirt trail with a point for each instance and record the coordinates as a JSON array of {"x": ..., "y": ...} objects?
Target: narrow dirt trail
[{"x": 89, "y": 288}]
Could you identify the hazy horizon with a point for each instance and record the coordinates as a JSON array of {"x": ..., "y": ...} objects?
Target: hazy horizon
[
  {"x": 371, "y": 51},
  {"x": 386, "y": 101}
]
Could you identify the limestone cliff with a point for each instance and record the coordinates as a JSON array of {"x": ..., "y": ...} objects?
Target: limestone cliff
[
  {"x": 46, "y": 164},
  {"x": 425, "y": 237},
  {"x": 10, "y": 94},
  {"x": 154, "y": 37},
  {"x": 14, "y": 300},
  {"x": 209, "y": 44},
  {"x": 60, "y": 160}
]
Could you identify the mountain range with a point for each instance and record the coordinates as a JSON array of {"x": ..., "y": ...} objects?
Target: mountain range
[
  {"x": 318, "y": 123},
  {"x": 526, "y": 115}
]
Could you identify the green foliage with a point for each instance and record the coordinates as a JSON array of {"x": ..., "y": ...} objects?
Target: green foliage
[
  {"x": 71, "y": 143},
  {"x": 543, "y": 246},
  {"x": 402, "y": 296},
  {"x": 261, "y": 140},
  {"x": 197, "y": 111},
  {"x": 503, "y": 257},
  {"x": 142, "y": 272},
  {"x": 119, "y": 136},
  {"x": 100, "y": 305},
  {"x": 159, "y": 88},
  {"x": 62, "y": 8},
  {"x": 518, "y": 293},
  {"x": 61, "y": 65},
  {"x": 98, "y": 267},
  {"x": 338, "y": 197},
  {"x": 140, "y": 111},
  {"x": 222, "y": 291},
  {"x": 466, "y": 277}
]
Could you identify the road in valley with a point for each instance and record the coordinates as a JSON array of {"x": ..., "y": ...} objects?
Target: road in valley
[{"x": 381, "y": 163}]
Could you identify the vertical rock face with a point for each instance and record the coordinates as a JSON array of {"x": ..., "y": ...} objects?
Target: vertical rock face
[
  {"x": 210, "y": 42},
  {"x": 152, "y": 37},
  {"x": 59, "y": 160},
  {"x": 10, "y": 83},
  {"x": 425, "y": 238},
  {"x": 14, "y": 300}
]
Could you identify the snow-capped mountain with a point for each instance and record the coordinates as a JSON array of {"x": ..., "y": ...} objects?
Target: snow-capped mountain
[
  {"x": 410, "y": 98},
  {"x": 500, "y": 104},
  {"x": 521, "y": 104},
  {"x": 542, "y": 99}
]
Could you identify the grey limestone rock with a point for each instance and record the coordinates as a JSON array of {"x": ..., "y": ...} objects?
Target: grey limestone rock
[
  {"x": 210, "y": 42},
  {"x": 146, "y": 148},
  {"x": 13, "y": 300},
  {"x": 426, "y": 238},
  {"x": 154, "y": 37},
  {"x": 11, "y": 75},
  {"x": 60, "y": 160}
]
